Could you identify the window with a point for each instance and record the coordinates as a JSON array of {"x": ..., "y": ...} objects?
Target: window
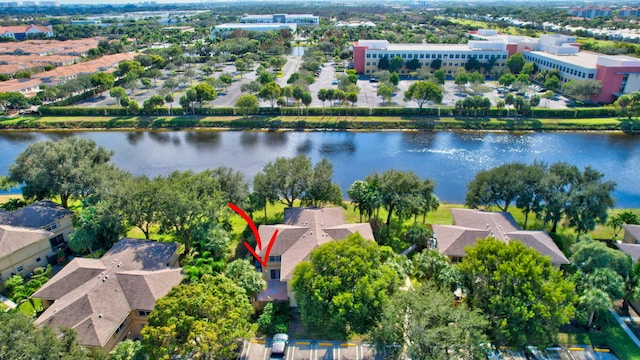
[
  {"x": 120, "y": 328},
  {"x": 368, "y": 56},
  {"x": 457, "y": 56},
  {"x": 38, "y": 259},
  {"x": 368, "y": 63},
  {"x": 20, "y": 268},
  {"x": 439, "y": 56},
  {"x": 276, "y": 258},
  {"x": 51, "y": 226},
  {"x": 421, "y": 56},
  {"x": 56, "y": 242},
  {"x": 144, "y": 313},
  {"x": 463, "y": 56},
  {"x": 275, "y": 274}
]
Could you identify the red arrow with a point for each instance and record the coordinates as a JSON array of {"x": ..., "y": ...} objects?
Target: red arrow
[{"x": 263, "y": 261}]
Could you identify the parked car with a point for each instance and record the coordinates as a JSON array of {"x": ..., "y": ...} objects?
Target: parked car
[
  {"x": 334, "y": 82},
  {"x": 279, "y": 346}
]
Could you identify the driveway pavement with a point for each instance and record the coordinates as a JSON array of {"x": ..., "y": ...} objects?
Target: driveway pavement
[{"x": 258, "y": 349}]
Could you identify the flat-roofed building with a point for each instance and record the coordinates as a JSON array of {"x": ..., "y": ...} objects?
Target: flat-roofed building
[
  {"x": 229, "y": 27},
  {"x": 367, "y": 54},
  {"x": 299, "y": 19}
]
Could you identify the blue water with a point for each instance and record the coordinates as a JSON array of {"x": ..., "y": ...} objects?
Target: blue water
[{"x": 451, "y": 159}]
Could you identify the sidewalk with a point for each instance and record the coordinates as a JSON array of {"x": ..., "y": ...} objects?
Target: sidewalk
[{"x": 625, "y": 327}]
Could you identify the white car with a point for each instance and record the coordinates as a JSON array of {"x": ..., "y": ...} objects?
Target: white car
[{"x": 279, "y": 346}]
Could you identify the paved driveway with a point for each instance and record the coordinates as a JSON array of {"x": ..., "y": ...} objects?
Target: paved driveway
[{"x": 258, "y": 349}]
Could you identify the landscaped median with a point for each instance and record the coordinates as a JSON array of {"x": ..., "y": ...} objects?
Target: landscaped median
[{"x": 319, "y": 123}]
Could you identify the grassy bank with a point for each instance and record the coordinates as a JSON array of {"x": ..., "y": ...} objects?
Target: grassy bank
[{"x": 319, "y": 123}]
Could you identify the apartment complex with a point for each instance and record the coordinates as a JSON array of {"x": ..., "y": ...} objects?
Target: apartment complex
[
  {"x": 298, "y": 19},
  {"x": 589, "y": 12},
  {"x": 618, "y": 74},
  {"x": 368, "y": 53}
]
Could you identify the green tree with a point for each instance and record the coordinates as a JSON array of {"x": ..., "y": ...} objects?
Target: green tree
[
  {"x": 365, "y": 197},
  {"x": 383, "y": 63},
  {"x": 515, "y": 63},
  {"x": 385, "y": 92},
  {"x": 344, "y": 286},
  {"x": 205, "y": 93},
  {"x": 401, "y": 192},
  {"x": 590, "y": 202},
  {"x": 625, "y": 217},
  {"x": 22, "y": 339},
  {"x": 322, "y": 190},
  {"x": 472, "y": 65},
  {"x": 127, "y": 350},
  {"x": 102, "y": 81},
  {"x": 244, "y": 274},
  {"x": 524, "y": 297},
  {"x": 552, "y": 83},
  {"x": 6, "y": 184},
  {"x": 226, "y": 79},
  {"x": 97, "y": 226},
  {"x": 270, "y": 92},
  {"x": 462, "y": 78},
  {"x": 430, "y": 325},
  {"x": 68, "y": 167},
  {"x": 439, "y": 76},
  {"x": 583, "y": 89},
  {"x": 413, "y": 64},
  {"x": 201, "y": 320},
  {"x": 247, "y": 105},
  {"x": 394, "y": 78},
  {"x": 188, "y": 201},
  {"x": 395, "y": 64},
  {"x": 422, "y": 92},
  {"x": 284, "y": 180},
  {"x": 436, "y": 65},
  {"x": 119, "y": 94},
  {"x": 506, "y": 80},
  {"x": 499, "y": 186}
]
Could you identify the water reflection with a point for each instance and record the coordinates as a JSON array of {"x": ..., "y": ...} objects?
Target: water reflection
[
  {"x": 276, "y": 138},
  {"x": 162, "y": 137},
  {"x": 249, "y": 138},
  {"x": 134, "y": 136}
]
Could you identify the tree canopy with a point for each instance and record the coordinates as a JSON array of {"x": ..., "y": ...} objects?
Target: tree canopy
[
  {"x": 201, "y": 320},
  {"x": 68, "y": 167},
  {"x": 428, "y": 324},
  {"x": 422, "y": 92},
  {"x": 344, "y": 286},
  {"x": 524, "y": 297}
]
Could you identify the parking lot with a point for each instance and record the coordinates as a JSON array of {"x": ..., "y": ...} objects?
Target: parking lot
[
  {"x": 562, "y": 353},
  {"x": 258, "y": 349}
]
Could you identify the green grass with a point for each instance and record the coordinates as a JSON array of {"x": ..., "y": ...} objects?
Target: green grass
[
  {"x": 609, "y": 334},
  {"x": 27, "y": 308}
]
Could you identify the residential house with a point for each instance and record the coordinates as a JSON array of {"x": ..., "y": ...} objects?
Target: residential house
[
  {"x": 30, "y": 237},
  {"x": 631, "y": 234},
  {"x": 109, "y": 299},
  {"x": 23, "y": 32},
  {"x": 471, "y": 225},
  {"x": 303, "y": 230}
]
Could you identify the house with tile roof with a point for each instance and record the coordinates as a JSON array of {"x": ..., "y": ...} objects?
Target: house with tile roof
[
  {"x": 30, "y": 236},
  {"x": 109, "y": 299},
  {"x": 303, "y": 230},
  {"x": 471, "y": 225},
  {"x": 22, "y": 32}
]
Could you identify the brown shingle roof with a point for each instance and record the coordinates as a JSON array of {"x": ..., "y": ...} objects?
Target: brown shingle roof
[
  {"x": 303, "y": 230},
  {"x": 632, "y": 250},
  {"x": 634, "y": 230},
  {"x": 15, "y": 238},
  {"x": 471, "y": 225},
  {"x": 94, "y": 296},
  {"x": 36, "y": 215},
  {"x": 542, "y": 242},
  {"x": 452, "y": 240}
]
